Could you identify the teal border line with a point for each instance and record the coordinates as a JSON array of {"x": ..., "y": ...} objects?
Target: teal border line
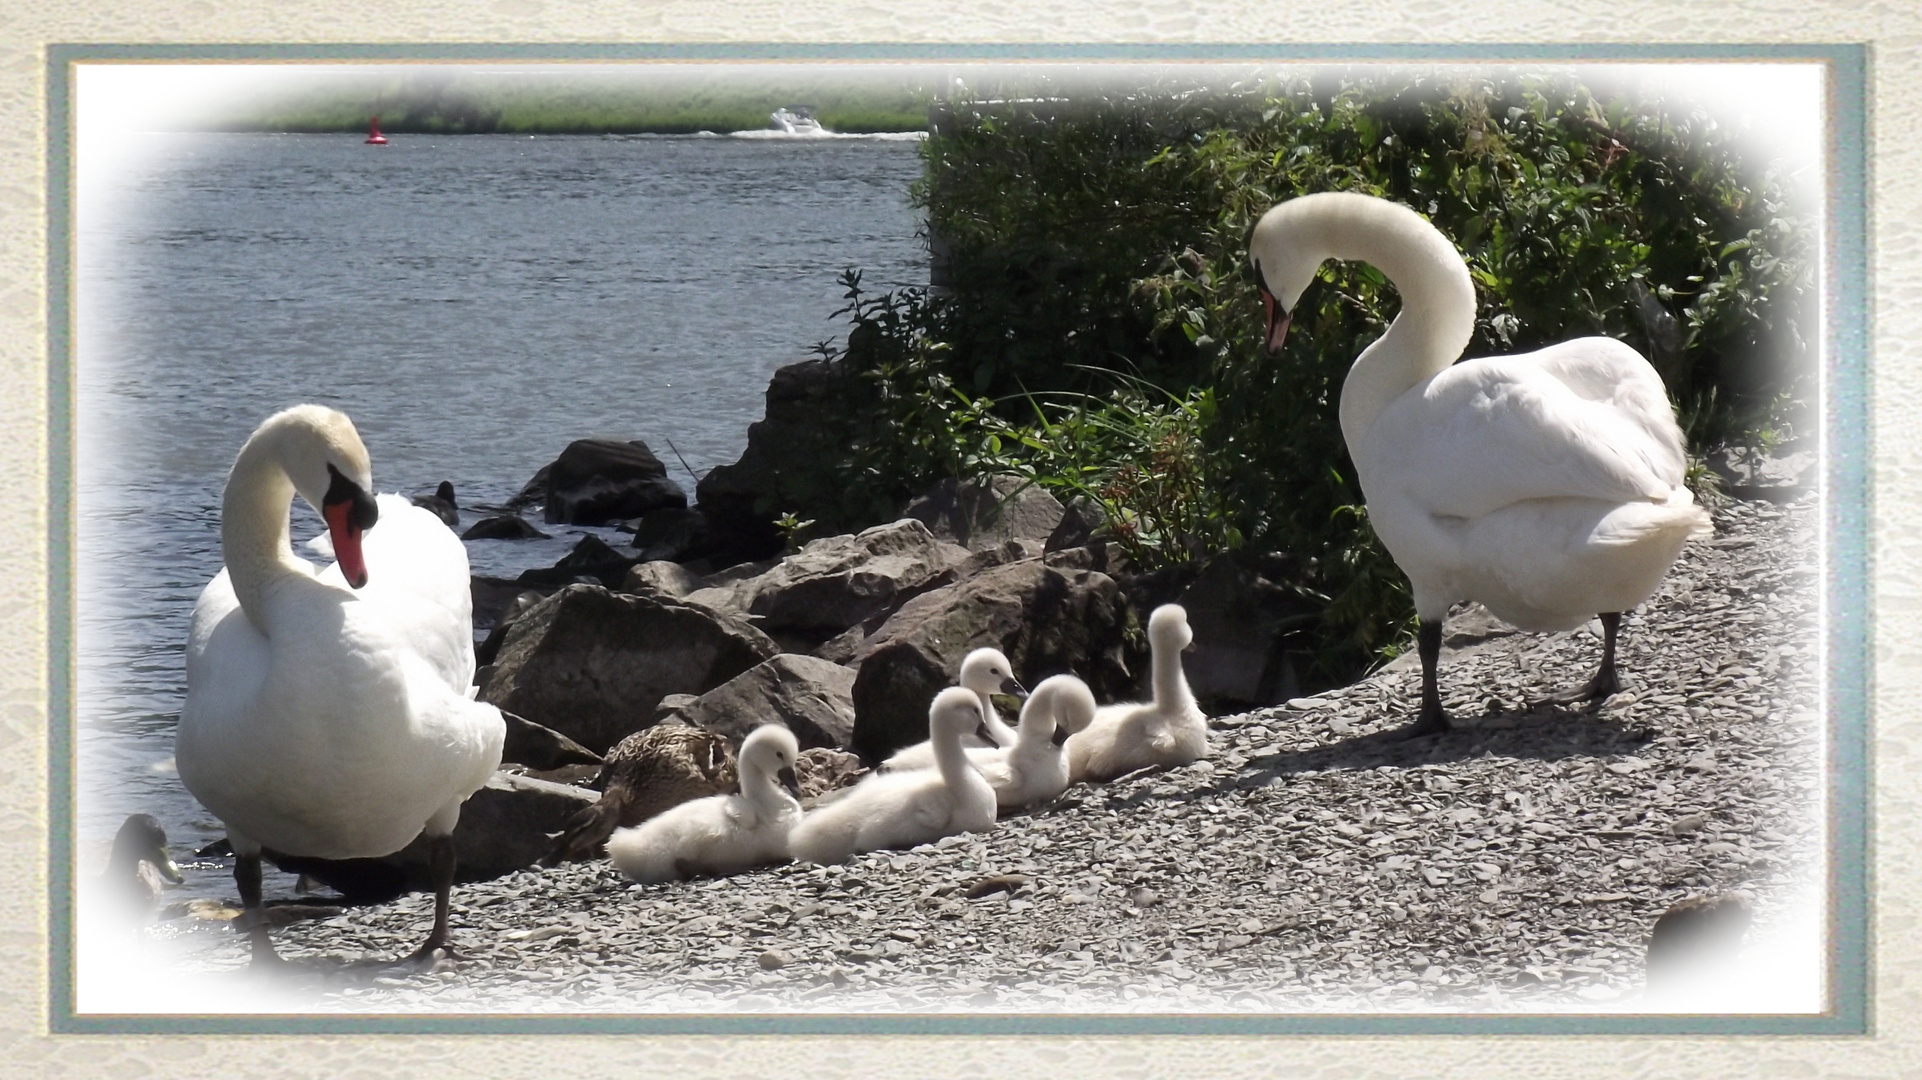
[
  {"x": 61, "y": 503},
  {"x": 1846, "y": 505}
]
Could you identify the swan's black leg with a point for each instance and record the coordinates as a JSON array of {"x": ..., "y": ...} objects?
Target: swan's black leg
[
  {"x": 440, "y": 856},
  {"x": 1605, "y": 681},
  {"x": 1432, "y": 721},
  {"x": 253, "y": 912}
]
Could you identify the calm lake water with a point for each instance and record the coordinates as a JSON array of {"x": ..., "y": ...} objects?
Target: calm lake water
[{"x": 473, "y": 302}]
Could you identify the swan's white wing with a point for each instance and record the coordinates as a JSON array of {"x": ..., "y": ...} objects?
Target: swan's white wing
[
  {"x": 227, "y": 659},
  {"x": 1492, "y": 432},
  {"x": 417, "y": 575},
  {"x": 1609, "y": 372}
]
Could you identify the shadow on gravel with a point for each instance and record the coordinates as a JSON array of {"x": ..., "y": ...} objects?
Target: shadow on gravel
[{"x": 1545, "y": 733}]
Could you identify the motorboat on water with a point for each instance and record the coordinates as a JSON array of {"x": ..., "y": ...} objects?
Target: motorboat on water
[{"x": 795, "y": 120}]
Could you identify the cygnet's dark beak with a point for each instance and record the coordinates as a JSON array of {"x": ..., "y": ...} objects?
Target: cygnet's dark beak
[
  {"x": 1060, "y": 735},
  {"x": 1190, "y": 647},
  {"x": 789, "y": 780},
  {"x": 981, "y": 732},
  {"x": 1011, "y": 685}
]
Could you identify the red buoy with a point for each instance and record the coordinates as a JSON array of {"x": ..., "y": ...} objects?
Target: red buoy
[{"x": 374, "y": 137}]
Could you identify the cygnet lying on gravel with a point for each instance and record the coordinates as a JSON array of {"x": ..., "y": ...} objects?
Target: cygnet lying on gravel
[
  {"x": 1035, "y": 769},
  {"x": 987, "y": 673},
  {"x": 1170, "y": 730},
  {"x": 902, "y": 809},
  {"x": 721, "y": 834}
]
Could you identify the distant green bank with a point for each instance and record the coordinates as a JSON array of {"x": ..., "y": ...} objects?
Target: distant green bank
[{"x": 558, "y": 104}]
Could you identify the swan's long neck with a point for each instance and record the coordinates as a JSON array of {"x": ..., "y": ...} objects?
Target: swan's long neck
[
  {"x": 253, "y": 526},
  {"x": 1039, "y": 718},
  {"x": 1172, "y": 695},
  {"x": 761, "y": 790},
  {"x": 950, "y": 758},
  {"x": 1437, "y": 305}
]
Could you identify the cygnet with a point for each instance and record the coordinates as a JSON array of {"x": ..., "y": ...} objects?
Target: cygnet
[
  {"x": 1168, "y": 731},
  {"x": 1035, "y": 768},
  {"x": 902, "y": 809},
  {"x": 721, "y": 834},
  {"x": 987, "y": 673}
]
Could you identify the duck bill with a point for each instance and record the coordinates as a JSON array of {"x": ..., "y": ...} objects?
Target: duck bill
[
  {"x": 1060, "y": 735},
  {"x": 167, "y": 869},
  {"x": 346, "y": 538},
  {"x": 981, "y": 732},
  {"x": 789, "y": 781},
  {"x": 1012, "y": 685}
]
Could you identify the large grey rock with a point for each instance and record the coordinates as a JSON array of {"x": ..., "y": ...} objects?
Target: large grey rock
[
  {"x": 679, "y": 533},
  {"x": 503, "y": 527},
  {"x": 522, "y": 602},
  {"x": 504, "y": 827},
  {"x": 595, "y": 481},
  {"x": 665, "y": 578},
  {"x": 981, "y": 515},
  {"x": 779, "y": 471},
  {"x": 1046, "y": 619},
  {"x": 591, "y": 559},
  {"x": 838, "y": 581},
  {"x": 592, "y": 664},
  {"x": 542, "y": 748},
  {"x": 813, "y": 697}
]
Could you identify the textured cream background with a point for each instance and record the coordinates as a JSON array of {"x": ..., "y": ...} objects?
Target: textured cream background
[{"x": 1893, "y": 28}]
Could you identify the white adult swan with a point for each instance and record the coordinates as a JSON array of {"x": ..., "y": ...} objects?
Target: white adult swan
[
  {"x": 902, "y": 809},
  {"x": 721, "y": 834},
  {"x": 1170, "y": 731},
  {"x": 1548, "y": 486},
  {"x": 327, "y": 711}
]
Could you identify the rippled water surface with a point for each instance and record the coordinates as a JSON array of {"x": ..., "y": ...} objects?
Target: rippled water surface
[{"x": 473, "y": 302}]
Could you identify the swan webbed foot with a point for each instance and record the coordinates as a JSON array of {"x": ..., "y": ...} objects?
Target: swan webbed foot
[
  {"x": 1432, "y": 721},
  {"x": 1605, "y": 683},
  {"x": 425, "y": 959}
]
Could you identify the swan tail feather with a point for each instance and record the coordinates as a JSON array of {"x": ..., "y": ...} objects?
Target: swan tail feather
[{"x": 1636, "y": 523}]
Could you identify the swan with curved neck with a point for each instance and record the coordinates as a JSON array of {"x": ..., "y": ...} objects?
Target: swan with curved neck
[
  {"x": 327, "y": 710},
  {"x": 1035, "y": 769},
  {"x": 1547, "y": 486}
]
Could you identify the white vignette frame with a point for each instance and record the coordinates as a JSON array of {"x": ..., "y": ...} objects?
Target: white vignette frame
[{"x": 1779, "y": 89}]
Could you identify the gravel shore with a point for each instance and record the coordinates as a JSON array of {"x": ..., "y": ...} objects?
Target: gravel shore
[{"x": 1515, "y": 863}]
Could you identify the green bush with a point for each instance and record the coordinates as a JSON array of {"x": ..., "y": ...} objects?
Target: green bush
[{"x": 1101, "y": 327}]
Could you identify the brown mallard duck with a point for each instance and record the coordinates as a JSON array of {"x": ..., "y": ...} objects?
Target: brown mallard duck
[{"x": 647, "y": 772}]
